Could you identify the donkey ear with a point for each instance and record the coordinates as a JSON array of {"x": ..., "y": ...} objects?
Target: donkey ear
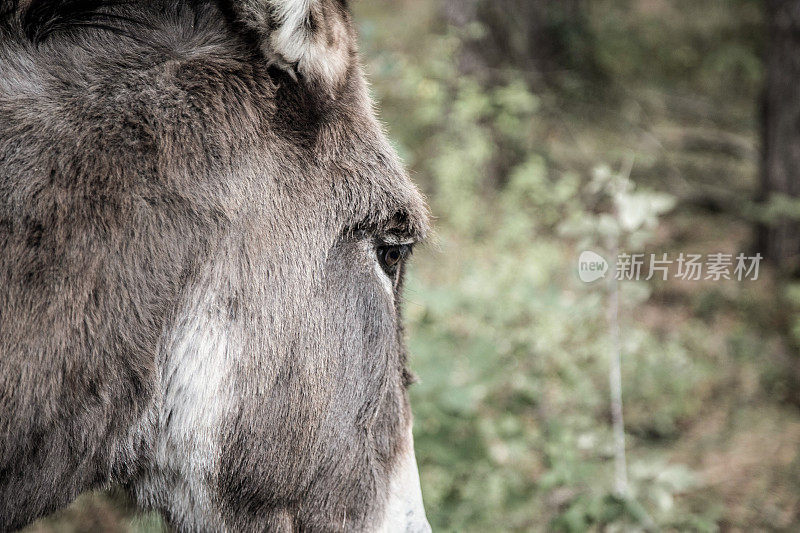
[{"x": 312, "y": 39}]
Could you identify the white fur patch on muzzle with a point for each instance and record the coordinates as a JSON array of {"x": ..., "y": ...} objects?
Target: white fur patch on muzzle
[{"x": 405, "y": 512}]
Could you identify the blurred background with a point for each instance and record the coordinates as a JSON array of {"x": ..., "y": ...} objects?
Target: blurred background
[{"x": 542, "y": 128}]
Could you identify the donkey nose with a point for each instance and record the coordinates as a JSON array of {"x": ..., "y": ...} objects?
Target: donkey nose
[
  {"x": 405, "y": 512},
  {"x": 416, "y": 524}
]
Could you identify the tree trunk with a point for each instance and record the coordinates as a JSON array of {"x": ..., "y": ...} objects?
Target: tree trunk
[
  {"x": 780, "y": 175},
  {"x": 538, "y": 37},
  {"x": 541, "y": 40}
]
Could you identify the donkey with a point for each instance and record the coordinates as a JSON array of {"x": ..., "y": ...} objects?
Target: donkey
[{"x": 203, "y": 237}]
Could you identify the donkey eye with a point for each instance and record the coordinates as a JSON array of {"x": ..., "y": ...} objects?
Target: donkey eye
[{"x": 390, "y": 257}]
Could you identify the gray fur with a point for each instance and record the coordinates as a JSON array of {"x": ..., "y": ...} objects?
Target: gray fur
[{"x": 189, "y": 303}]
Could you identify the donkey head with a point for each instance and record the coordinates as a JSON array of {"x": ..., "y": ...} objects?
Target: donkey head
[{"x": 204, "y": 233}]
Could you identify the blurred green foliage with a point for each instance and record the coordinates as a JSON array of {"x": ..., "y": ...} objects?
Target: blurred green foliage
[{"x": 512, "y": 412}]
